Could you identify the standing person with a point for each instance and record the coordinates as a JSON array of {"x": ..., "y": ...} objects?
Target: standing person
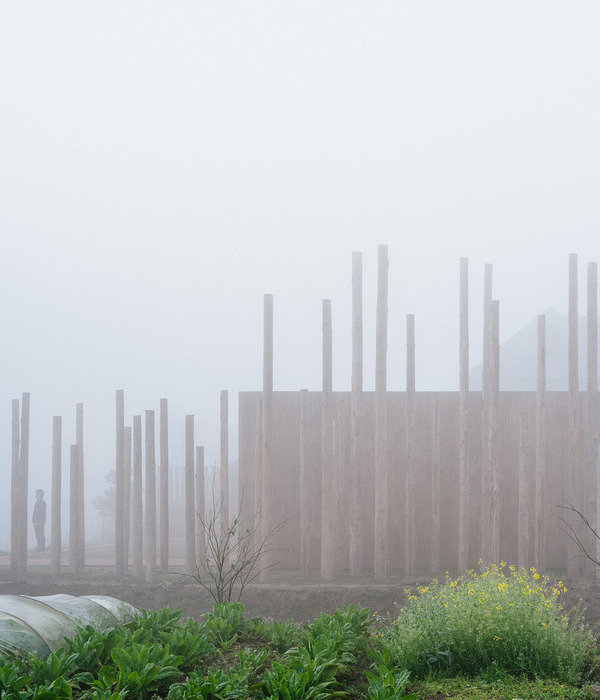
[{"x": 39, "y": 519}]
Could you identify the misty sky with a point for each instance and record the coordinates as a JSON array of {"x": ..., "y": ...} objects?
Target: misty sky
[{"x": 163, "y": 165}]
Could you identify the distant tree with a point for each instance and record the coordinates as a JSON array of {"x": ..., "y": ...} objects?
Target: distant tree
[{"x": 106, "y": 503}]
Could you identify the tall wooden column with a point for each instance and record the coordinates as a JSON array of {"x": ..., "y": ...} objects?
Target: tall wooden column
[
  {"x": 190, "y": 500},
  {"x": 200, "y": 515},
  {"x": 164, "y": 485},
  {"x": 463, "y": 420},
  {"x": 119, "y": 487},
  {"x": 327, "y": 503},
  {"x": 138, "y": 517},
  {"x": 74, "y": 530},
  {"x": 127, "y": 442},
  {"x": 305, "y": 482},
  {"x": 494, "y": 405},
  {"x": 224, "y": 472},
  {"x": 574, "y": 464},
  {"x": 79, "y": 441},
  {"x": 55, "y": 527},
  {"x": 590, "y": 486},
  {"x": 485, "y": 414},
  {"x": 540, "y": 449},
  {"x": 267, "y": 501},
  {"x": 356, "y": 538},
  {"x": 15, "y": 492},
  {"x": 24, "y": 482},
  {"x": 381, "y": 461},
  {"x": 410, "y": 515},
  {"x": 150, "y": 498}
]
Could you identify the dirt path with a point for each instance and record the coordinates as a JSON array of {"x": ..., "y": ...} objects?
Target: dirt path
[{"x": 285, "y": 597}]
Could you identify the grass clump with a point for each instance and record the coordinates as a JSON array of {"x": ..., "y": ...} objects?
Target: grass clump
[{"x": 501, "y": 620}]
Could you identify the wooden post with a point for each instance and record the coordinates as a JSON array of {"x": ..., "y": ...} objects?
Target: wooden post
[
  {"x": 463, "y": 421},
  {"x": 119, "y": 487},
  {"x": 266, "y": 517},
  {"x": 79, "y": 441},
  {"x": 337, "y": 497},
  {"x": 410, "y": 491},
  {"x": 381, "y": 462},
  {"x": 523, "y": 544},
  {"x": 573, "y": 476},
  {"x": 150, "y": 498},
  {"x": 305, "y": 479},
  {"x": 590, "y": 488},
  {"x": 127, "y": 439},
  {"x": 55, "y": 528},
  {"x": 24, "y": 481},
  {"x": 494, "y": 489},
  {"x": 138, "y": 518},
  {"x": 164, "y": 485},
  {"x": 200, "y": 514},
  {"x": 327, "y": 507},
  {"x": 258, "y": 466},
  {"x": 190, "y": 499},
  {"x": 224, "y": 473},
  {"x": 435, "y": 489},
  {"x": 540, "y": 448},
  {"x": 15, "y": 488},
  {"x": 485, "y": 414},
  {"x": 74, "y": 532},
  {"x": 356, "y": 548}
]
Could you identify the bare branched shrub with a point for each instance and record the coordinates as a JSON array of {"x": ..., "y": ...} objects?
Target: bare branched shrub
[
  {"x": 234, "y": 556},
  {"x": 570, "y": 526}
]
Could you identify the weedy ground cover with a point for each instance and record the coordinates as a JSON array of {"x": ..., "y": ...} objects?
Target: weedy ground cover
[{"x": 498, "y": 634}]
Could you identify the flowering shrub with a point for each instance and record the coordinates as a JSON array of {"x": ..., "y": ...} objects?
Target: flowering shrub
[{"x": 502, "y": 619}]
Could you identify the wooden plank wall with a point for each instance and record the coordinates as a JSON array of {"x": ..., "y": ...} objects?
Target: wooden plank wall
[{"x": 285, "y": 485}]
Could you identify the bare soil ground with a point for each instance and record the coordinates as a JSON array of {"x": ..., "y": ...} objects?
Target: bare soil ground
[{"x": 285, "y": 596}]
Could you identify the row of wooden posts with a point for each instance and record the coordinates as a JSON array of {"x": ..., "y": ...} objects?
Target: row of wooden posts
[
  {"x": 267, "y": 490},
  {"x": 137, "y": 525},
  {"x": 368, "y": 541},
  {"x": 19, "y": 522}
]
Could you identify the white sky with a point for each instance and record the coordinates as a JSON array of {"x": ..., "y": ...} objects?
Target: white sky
[{"x": 163, "y": 165}]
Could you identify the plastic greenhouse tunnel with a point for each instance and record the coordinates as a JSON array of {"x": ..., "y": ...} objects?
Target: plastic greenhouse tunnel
[{"x": 40, "y": 624}]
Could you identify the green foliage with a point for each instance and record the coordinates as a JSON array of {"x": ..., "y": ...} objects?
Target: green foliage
[
  {"x": 13, "y": 679},
  {"x": 501, "y": 619},
  {"x": 226, "y": 622},
  {"x": 189, "y": 640},
  {"x": 303, "y": 677},
  {"x": 59, "y": 665},
  {"x": 139, "y": 669},
  {"x": 217, "y": 685},
  {"x": 284, "y": 635},
  {"x": 229, "y": 657},
  {"x": 92, "y": 647},
  {"x": 387, "y": 683}
]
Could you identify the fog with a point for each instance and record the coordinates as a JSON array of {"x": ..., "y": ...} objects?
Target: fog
[{"x": 166, "y": 164}]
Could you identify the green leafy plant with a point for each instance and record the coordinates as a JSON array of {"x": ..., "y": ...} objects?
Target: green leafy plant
[
  {"x": 387, "y": 683},
  {"x": 60, "y": 664},
  {"x": 217, "y": 685},
  {"x": 303, "y": 677},
  {"x": 13, "y": 679},
  {"x": 139, "y": 669},
  {"x": 92, "y": 647},
  {"x": 226, "y": 622},
  {"x": 283, "y": 635}
]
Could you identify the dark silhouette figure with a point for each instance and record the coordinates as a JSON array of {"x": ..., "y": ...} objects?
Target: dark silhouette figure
[{"x": 39, "y": 520}]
